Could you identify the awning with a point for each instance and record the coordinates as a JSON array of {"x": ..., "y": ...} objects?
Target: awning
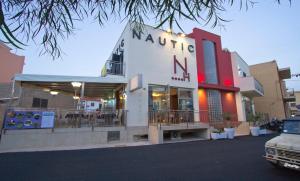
[
  {"x": 65, "y": 78},
  {"x": 94, "y": 87}
]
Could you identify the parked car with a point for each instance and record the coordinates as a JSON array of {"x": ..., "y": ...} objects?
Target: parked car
[
  {"x": 284, "y": 150},
  {"x": 274, "y": 125}
]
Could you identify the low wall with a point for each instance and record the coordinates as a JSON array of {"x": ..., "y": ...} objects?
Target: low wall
[
  {"x": 65, "y": 137},
  {"x": 156, "y": 132}
]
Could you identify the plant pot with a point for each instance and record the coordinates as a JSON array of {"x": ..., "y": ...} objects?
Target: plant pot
[
  {"x": 223, "y": 135},
  {"x": 230, "y": 132},
  {"x": 262, "y": 131},
  {"x": 254, "y": 131},
  {"x": 214, "y": 136}
]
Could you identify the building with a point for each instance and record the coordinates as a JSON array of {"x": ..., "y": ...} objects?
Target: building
[
  {"x": 10, "y": 64},
  {"x": 295, "y": 105},
  {"x": 249, "y": 86},
  {"x": 276, "y": 96},
  {"x": 156, "y": 85}
]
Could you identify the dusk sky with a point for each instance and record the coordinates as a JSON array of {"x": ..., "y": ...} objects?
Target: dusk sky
[{"x": 266, "y": 32}]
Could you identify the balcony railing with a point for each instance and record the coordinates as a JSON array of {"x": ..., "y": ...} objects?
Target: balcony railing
[
  {"x": 250, "y": 86},
  {"x": 258, "y": 86},
  {"x": 171, "y": 117},
  {"x": 289, "y": 95},
  {"x": 113, "y": 68}
]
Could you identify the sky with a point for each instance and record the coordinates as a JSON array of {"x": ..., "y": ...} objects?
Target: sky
[{"x": 266, "y": 32}]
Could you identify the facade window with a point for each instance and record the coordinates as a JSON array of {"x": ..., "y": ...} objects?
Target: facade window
[
  {"x": 210, "y": 64},
  {"x": 158, "y": 97},
  {"x": 185, "y": 99},
  {"x": 214, "y": 105},
  {"x": 170, "y": 98},
  {"x": 39, "y": 103}
]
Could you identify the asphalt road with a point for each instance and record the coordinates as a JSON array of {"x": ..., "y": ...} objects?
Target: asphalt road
[{"x": 238, "y": 159}]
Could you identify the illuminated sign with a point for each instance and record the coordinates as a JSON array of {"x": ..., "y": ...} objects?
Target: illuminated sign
[
  {"x": 162, "y": 41},
  {"x": 185, "y": 74}
]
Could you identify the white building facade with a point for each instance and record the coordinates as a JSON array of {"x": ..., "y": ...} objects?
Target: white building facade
[
  {"x": 159, "y": 60},
  {"x": 249, "y": 87}
]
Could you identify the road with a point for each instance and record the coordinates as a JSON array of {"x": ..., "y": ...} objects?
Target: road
[{"x": 238, "y": 159}]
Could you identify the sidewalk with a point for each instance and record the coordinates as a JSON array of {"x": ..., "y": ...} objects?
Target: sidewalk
[{"x": 83, "y": 147}]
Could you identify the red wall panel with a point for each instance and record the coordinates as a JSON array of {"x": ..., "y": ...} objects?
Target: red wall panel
[{"x": 229, "y": 104}]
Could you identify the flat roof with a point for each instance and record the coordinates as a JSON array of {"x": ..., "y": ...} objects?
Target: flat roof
[
  {"x": 66, "y": 78},
  {"x": 94, "y": 87}
]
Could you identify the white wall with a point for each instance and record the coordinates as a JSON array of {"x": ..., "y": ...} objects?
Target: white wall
[
  {"x": 237, "y": 61},
  {"x": 155, "y": 63}
]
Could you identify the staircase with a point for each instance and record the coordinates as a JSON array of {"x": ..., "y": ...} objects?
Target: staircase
[{"x": 243, "y": 129}]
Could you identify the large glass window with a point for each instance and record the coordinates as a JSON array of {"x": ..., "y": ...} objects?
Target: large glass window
[
  {"x": 170, "y": 98},
  {"x": 214, "y": 105},
  {"x": 210, "y": 62},
  {"x": 185, "y": 99},
  {"x": 158, "y": 97}
]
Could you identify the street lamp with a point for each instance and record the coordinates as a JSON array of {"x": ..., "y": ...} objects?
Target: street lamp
[
  {"x": 76, "y": 84},
  {"x": 54, "y": 93}
]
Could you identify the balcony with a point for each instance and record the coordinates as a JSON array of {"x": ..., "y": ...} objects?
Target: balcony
[
  {"x": 289, "y": 95},
  {"x": 113, "y": 68},
  {"x": 251, "y": 87}
]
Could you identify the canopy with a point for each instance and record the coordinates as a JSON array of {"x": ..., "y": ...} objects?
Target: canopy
[{"x": 93, "y": 86}]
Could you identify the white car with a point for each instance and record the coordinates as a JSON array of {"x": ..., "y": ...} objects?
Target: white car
[{"x": 284, "y": 150}]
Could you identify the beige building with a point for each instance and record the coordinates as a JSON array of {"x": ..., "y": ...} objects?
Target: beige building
[
  {"x": 295, "y": 106},
  {"x": 276, "y": 97}
]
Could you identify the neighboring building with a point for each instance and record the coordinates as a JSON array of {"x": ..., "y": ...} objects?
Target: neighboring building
[
  {"x": 249, "y": 87},
  {"x": 276, "y": 97},
  {"x": 10, "y": 64},
  {"x": 295, "y": 106}
]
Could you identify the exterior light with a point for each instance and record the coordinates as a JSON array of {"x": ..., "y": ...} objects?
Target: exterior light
[
  {"x": 54, "y": 93},
  {"x": 125, "y": 95},
  {"x": 155, "y": 94},
  {"x": 181, "y": 35},
  {"x": 75, "y": 97},
  {"x": 169, "y": 30},
  {"x": 76, "y": 84}
]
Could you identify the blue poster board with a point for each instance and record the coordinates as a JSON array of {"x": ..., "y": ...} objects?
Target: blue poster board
[{"x": 28, "y": 119}]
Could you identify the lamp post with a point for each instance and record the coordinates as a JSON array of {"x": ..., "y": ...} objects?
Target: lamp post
[{"x": 76, "y": 86}]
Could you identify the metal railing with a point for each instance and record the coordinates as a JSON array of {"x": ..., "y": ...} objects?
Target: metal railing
[
  {"x": 171, "y": 117},
  {"x": 258, "y": 86},
  {"x": 114, "y": 68},
  {"x": 70, "y": 118},
  {"x": 81, "y": 118}
]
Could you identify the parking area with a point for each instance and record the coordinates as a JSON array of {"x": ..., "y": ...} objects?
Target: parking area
[{"x": 238, "y": 159}]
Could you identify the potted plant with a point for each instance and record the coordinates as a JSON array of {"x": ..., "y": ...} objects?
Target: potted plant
[
  {"x": 254, "y": 123},
  {"x": 229, "y": 129},
  {"x": 218, "y": 134}
]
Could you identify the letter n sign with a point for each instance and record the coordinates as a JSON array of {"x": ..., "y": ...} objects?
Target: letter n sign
[{"x": 185, "y": 75}]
